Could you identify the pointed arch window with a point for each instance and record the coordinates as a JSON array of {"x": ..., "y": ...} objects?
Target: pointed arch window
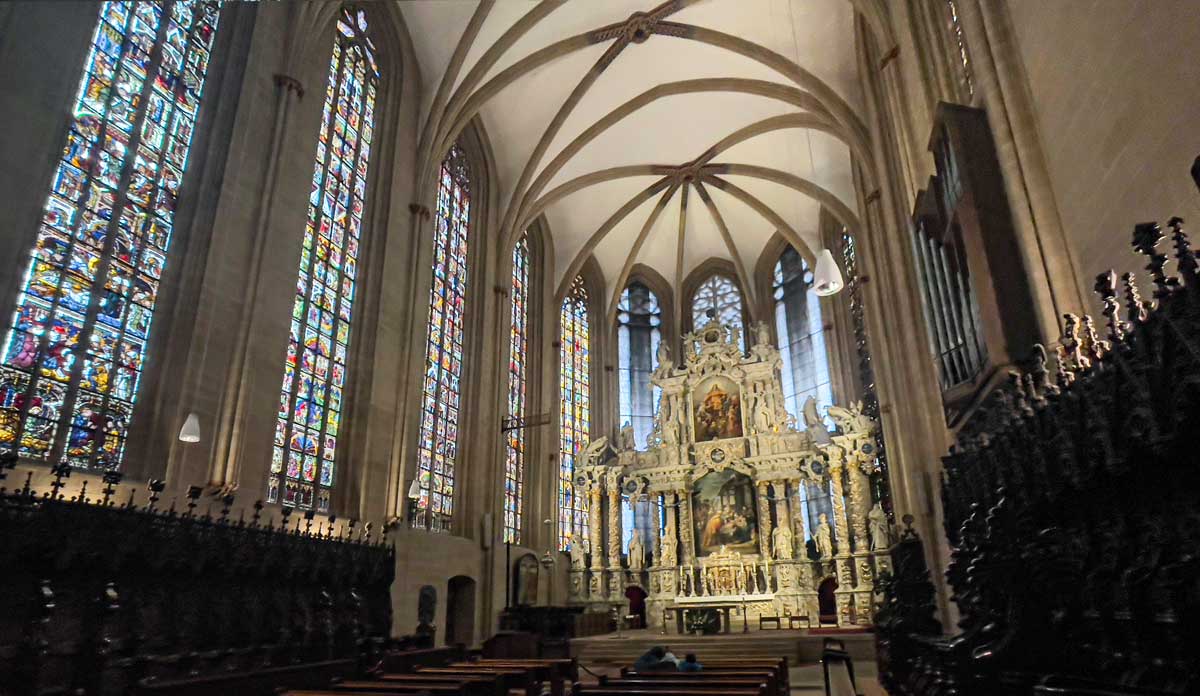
[
  {"x": 75, "y": 352},
  {"x": 801, "y": 335},
  {"x": 437, "y": 450},
  {"x": 314, "y": 373},
  {"x": 518, "y": 347},
  {"x": 574, "y": 411},
  {"x": 720, "y": 295},
  {"x": 639, "y": 331}
]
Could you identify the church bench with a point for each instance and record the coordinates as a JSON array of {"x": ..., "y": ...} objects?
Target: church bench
[
  {"x": 396, "y": 661},
  {"x": 520, "y": 679},
  {"x": 554, "y": 671},
  {"x": 713, "y": 681},
  {"x": 769, "y": 676},
  {"x": 581, "y": 690},
  {"x": 254, "y": 683},
  {"x": 470, "y": 686}
]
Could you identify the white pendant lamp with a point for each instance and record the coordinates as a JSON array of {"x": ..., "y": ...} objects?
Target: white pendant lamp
[
  {"x": 190, "y": 432},
  {"x": 827, "y": 280}
]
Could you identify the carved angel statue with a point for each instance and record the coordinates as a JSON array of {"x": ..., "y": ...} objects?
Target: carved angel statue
[
  {"x": 781, "y": 542},
  {"x": 850, "y": 420},
  {"x": 637, "y": 552},
  {"x": 578, "y": 553},
  {"x": 595, "y": 449},
  {"x": 823, "y": 536},
  {"x": 762, "y": 334},
  {"x": 663, "y": 355},
  {"x": 627, "y": 442},
  {"x": 814, "y": 424},
  {"x": 741, "y": 579},
  {"x": 881, "y": 531}
]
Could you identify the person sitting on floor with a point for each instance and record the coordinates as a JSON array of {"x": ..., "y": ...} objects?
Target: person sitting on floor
[{"x": 689, "y": 664}]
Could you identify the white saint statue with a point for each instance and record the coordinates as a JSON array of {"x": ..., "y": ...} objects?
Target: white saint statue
[
  {"x": 578, "y": 560},
  {"x": 823, "y": 537},
  {"x": 637, "y": 553},
  {"x": 666, "y": 553},
  {"x": 781, "y": 542},
  {"x": 881, "y": 533},
  {"x": 627, "y": 440},
  {"x": 762, "y": 334}
]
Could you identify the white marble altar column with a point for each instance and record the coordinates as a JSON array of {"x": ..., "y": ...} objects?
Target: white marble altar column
[
  {"x": 764, "y": 521},
  {"x": 595, "y": 528},
  {"x": 686, "y": 534},
  {"x": 615, "y": 585},
  {"x": 656, "y": 530}
]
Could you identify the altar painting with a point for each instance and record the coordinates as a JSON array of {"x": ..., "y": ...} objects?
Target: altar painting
[
  {"x": 718, "y": 409},
  {"x": 724, "y": 513}
]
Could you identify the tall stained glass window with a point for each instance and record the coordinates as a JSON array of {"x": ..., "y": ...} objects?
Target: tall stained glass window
[
  {"x": 314, "y": 376},
  {"x": 720, "y": 295},
  {"x": 518, "y": 346},
  {"x": 639, "y": 330},
  {"x": 438, "y": 448},
  {"x": 74, "y": 355},
  {"x": 574, "y": 411},
  {"x": 801, "y": 335}
]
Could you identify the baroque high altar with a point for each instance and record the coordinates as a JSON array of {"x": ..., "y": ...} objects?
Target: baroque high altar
[{"x": 723, "y": 473}]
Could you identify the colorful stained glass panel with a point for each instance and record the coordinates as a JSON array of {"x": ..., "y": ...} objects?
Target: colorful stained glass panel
[
  {"x": 92, "y": 280},
  {"x": 574, "y": 411},
  {"x": 307, "y": 424}
]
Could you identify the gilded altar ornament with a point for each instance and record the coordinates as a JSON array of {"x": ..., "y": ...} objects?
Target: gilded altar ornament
[{"x": 718, "y": 466}]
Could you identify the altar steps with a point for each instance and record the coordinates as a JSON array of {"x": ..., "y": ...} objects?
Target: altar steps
[{"x": 800, "y": 647}]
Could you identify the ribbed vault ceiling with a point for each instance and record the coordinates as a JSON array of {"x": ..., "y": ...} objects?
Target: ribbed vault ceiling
[{"x": 658, "y": 106}]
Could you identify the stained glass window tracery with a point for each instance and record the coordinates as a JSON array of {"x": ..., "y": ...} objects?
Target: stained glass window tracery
[
  {"x": 639, "y": 330},
  {"x": 75, "y": 352},
  {"x": 311, "y": 398},
  {"x": 438, "y": 447},
  {"x": 518, "y": 346},
  {"x": 574, "y": 411},
  {"x": 721, "y": 295},
  {"x": 801, "y": 334}
]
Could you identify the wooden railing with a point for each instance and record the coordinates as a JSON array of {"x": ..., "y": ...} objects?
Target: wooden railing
[
  {"x": 1072, "y": 508},
  {"x": 99, "y": 596}
]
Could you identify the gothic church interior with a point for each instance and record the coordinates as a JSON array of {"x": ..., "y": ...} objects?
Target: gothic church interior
[{"x": 458, "y": 346}]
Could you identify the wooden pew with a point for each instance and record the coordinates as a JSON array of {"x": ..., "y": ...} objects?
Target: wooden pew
[
  {"x": 777, "y": 668},
  {"x": 262, "y": 682},
  {"x": 580, "y": 690},
  {"x": 510, "y": 678},
  {"x": 468, "y": 686},
  {"x": 711, "y": 681},
  {"x": 554, "y": 671},
  {"x": 767, "y": 676}
]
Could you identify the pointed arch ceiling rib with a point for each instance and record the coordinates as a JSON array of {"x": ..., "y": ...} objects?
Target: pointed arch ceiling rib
[{"x": 663, "y": 134}]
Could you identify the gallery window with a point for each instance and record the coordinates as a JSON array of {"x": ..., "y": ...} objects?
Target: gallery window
[
  {"x": 639, "y": 330},
  {"x": 720, "y": 296},
  {"x": 311, "y": 400},
  {"x": 574, "y": 411},
  {"x": 801, "y": 334},
  {"x": 518, "y": 348},
  {"x": 73, "y": 359},
  {"x": 437, "y": 451}
]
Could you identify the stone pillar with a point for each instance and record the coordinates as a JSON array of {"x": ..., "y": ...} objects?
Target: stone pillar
[
  {"x": 656, "y": 529},
  {"x": 782, "y": 518},
  {"x": 615, "y": 581},
  {"x": 595, "y": 524},
  {"x": 764, "y": 521},
  {"x": 843, "y": 565},
  {"x": 686, "y": 533},
  {"x": 807, "y": 587},
  {"x": 860, "y": 504}
]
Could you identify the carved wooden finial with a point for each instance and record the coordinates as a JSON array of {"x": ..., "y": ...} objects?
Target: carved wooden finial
[
  {"x": 1135, "y": 308},
  {"x": 1040, "y": 374},
  {"x": 1062, "y": 372},
  {"x": 1106, "y": 288},
  {"x": 1073, "y": 345},
  {"x": 1146, "y": 237},
  {"x": 1185, "y": 258},
  {"x": 1093, "y": 347}
]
